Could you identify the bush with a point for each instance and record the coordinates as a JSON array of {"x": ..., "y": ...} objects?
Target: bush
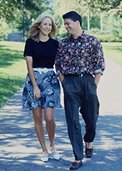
[
  {"x": 4, "y": 29},
  {"x": 105, "y": 36}
]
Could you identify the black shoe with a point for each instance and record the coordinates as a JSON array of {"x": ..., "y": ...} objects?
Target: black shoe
[
  {"x": 76, "y": 165},
  {"x": 89, "y": 152}
]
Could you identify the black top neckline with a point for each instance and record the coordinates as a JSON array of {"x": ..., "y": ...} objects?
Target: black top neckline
[{"x": 45, "y": 41}]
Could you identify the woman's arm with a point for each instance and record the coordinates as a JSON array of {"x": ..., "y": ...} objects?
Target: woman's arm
[{"x": 29, "y": 63}]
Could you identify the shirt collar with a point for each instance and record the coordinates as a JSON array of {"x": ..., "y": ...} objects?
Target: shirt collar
[{"x": 81, "y": 37}]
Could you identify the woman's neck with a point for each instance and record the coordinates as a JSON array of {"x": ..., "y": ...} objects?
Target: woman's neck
[{"x": 43, "y": 38}]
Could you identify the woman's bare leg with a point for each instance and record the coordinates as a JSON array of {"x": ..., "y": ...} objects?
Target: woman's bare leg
[
  {"x": 50, "y": 124},
  {"x": 39, "y": 129}
]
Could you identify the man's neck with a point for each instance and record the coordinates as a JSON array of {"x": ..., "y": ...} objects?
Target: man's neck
[{"x": 77, "y": 34}]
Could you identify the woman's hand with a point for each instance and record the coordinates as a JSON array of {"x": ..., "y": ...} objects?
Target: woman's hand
[{"x": 37, "y": 93}]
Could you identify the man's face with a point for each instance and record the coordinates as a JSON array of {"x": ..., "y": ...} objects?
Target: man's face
[{"x": 71, "y": 26}]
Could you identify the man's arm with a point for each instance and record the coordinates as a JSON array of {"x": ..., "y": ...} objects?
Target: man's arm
[{"x": 99, "y": 60}]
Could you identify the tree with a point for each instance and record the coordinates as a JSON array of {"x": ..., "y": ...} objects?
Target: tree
[
  {"x": 19, "y": 13},
  {"x": 104, "y": 4},
  {"x": 115, "y": 18},
  {"x": 10, "y": 8},
  {"x": 4, "y": 29}
]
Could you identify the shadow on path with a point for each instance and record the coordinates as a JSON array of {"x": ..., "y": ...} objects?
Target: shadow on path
[{"x": 20, "y": 150}]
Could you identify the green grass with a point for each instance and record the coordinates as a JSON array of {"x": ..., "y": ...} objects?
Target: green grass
[
  {"x": 12, "y": 69},
  {"x": 113, "y": 51}
]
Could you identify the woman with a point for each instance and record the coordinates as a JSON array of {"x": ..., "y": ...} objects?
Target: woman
[{"x": 42, "y": 88}]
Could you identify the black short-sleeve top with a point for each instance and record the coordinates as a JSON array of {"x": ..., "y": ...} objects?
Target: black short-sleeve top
[{"x": 43, "y": 53}]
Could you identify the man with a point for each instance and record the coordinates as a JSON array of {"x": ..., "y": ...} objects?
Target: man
[{"x": 79, "y": 64}]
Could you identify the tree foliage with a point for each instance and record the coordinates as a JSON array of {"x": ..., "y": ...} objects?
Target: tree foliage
[
  {"x": 19, "y": 14},
  {"x": 104, "y": 4},
  {"x": 9, "y": 9},
  {"x": 4, "y": 29}
]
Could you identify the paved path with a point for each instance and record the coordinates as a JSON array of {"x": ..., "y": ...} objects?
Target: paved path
[
  {"x": 19, "y": 147},
  {"x": 110, "y": 89}
]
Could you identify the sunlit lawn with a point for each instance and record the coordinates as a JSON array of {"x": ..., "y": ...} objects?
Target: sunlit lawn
[
  {"x": 13, "y": 67},
  {"x": 113, "y": 51}
]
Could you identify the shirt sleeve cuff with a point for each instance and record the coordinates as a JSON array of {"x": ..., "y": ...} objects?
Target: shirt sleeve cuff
[{"x": 98, "y": 71}]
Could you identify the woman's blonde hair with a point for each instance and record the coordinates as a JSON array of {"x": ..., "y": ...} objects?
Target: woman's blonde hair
[{"x": 34, "y": 29}]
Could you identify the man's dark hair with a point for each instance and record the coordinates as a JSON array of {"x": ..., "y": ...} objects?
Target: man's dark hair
[{"x": 74, "y": 16}]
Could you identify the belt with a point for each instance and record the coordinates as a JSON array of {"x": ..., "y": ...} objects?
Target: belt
[
  {"x": 77, "y": 75},
  {"x": 40, "y": 70},
  {"x": 73, "y": 75}
]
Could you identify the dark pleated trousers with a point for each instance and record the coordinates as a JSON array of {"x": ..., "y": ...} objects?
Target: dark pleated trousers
[{"x": 80, "y": 95}]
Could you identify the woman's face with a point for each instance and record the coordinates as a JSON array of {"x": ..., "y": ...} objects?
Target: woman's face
[{"x": 46, "y": 26}]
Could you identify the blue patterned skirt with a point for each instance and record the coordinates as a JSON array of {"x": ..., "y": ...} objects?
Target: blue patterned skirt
[{"x": 50, "y": 91}]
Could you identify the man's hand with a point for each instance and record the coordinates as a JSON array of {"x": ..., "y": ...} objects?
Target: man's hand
[
  {"x": 61, "y": 77},
  {"x": 97, "y": 78}
]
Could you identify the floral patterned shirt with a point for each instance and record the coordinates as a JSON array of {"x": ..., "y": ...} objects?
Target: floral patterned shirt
[{"x": 81, "y": 55}]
